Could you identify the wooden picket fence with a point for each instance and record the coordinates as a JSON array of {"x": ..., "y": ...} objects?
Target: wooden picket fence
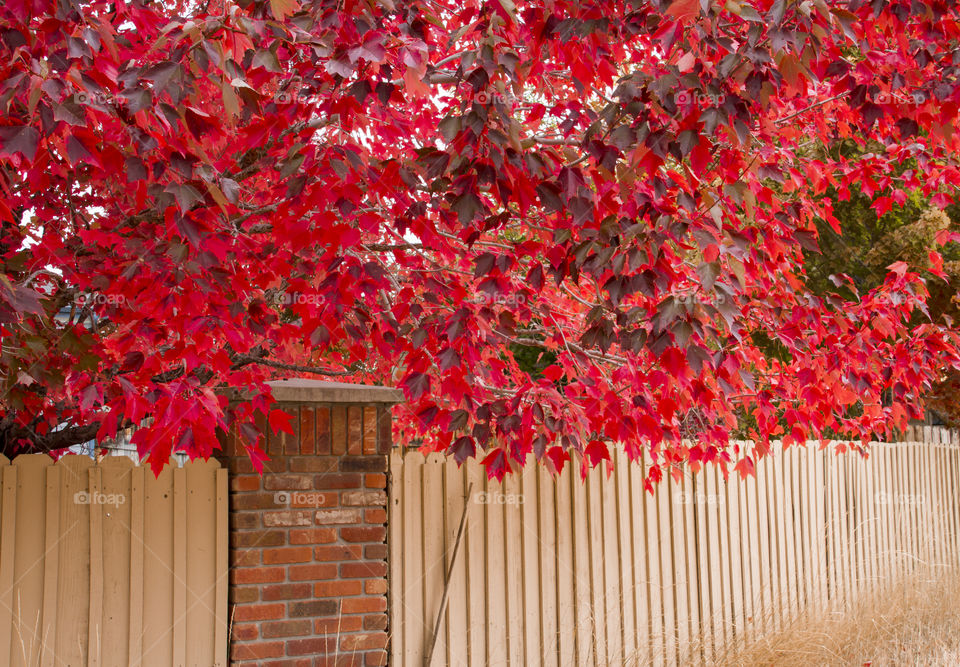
[
  {"x": 104, "y": 564},
  {"x": 561, "y": 572}
]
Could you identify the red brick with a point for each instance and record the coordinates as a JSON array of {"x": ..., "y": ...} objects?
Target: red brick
[
  {"x": 363, "y": 464},
  {"x": 296, "y": 628},
  {"x": 364, "y": 606},
  {"x": 245, "y": 483},
  {"x": 336, "y": 589},
  {"x": 354, "y": 430},
  {"x": 289, "y": 662},
  {"x": 240, "y": 465},
  {"x": 338, "y": 552},
  {"x": 334, "y": 480},
  {"x": 375, "y": 516},
  {"x": 228, "y": 444},
  {"x": 359, "y": 642},
  {"x": 376, "y": 480},
  {"x": 323, "y": 431},
  {"x": 314, "y": 464},
  {"x": 370, "y": 430},
  {"x": 312, "y": 645},
  {"x": 286, "y": 591},
  {"x": 245, "y": 558},
  {"x": 243, "y": 594},
  {"x": 314, "y": 608},
  {"x": 375, "y": 551},
  {"x": 257, "y": 538},
  {"x": 339, "y": 516},
  {"x": 363, "y": 533},
  {"x": 307, "y": 429},
  {"x": 287, "y": 555},
  {"x": 338, "y": 624},
  {"x": 313, "y": 536},
  {"x": 256, "y": 575},
  {"x": 244, "y": 520},
  {"x": 365, "y": 498},
  {"x": 291, "y": 442},
  {"x": 256, "y": 651},
  {"x": 257, "y": 612},
  {"x": 288, "y": 518},
  {"x": 385, "y": 435},
  {"x": 315, "y": 499},
  {"x": 276, "y": 466},
  {"x": 243, "y": 632},
  {"x": 375, "y": 587},
  {"x": 363, "y": 570},
  {"x": 338, "y": 430},
  {"x": 375, "y": 622},
  {"x": 254, "y": 501},
  {"x": 288, "y": 482},
  {"x": 338, "y": 659},
  {"x": 376, "y": 658},
  {"x": 315, "y": 571}
]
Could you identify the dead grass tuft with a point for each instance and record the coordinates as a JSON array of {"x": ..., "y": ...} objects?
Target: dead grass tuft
[{"x": 915, "y": 623}]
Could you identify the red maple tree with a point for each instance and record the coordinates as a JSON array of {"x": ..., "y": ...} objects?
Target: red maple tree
[{"x": 210, "y": 193}]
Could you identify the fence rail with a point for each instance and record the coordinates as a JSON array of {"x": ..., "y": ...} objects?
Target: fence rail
[
  {"x": 104, "y": 564},
  {"x": 559, "y": 572}
]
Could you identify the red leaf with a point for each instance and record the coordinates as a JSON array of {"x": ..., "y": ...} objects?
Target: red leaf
[
  {"x": 899, "y": 268},
  {"x": 684, "y": 9},
  {"x": 936, "y": 264},
  {"x": 745, "y": 467},
  {"x": 281, "y": 9},
  {"x": 496, "y": 464},
  {"x": 21, "y": 139},
  {"x": 553, "y": 372},
  {"x": 596, "y": 452},
  {"x": 416, "y": 384},
  {"x": 281, "y": 421}
]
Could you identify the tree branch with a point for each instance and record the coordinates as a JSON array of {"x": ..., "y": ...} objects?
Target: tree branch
[{"x": 12, "y": 433}]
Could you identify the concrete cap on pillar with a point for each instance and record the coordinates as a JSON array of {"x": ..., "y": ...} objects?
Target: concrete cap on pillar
[{"x": 305, "y": 390}]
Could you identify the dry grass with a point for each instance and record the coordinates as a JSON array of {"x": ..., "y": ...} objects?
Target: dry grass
[{"x": 914, "y": 623}]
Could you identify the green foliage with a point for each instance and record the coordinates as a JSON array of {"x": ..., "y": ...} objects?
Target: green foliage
[
  {"x": 870, "y": 243},
  {"x": 532, "y": 359}
]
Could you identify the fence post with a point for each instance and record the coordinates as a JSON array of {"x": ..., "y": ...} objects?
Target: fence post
[{"x": 308, "y": 537}]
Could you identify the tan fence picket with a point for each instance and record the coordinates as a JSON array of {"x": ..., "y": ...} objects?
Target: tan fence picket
[
  {"x": 563, "y": 571},
  {"x": 623, "y": 507},
  {"x": 566, "y": 581},
  {"x": 94, "y": 557}
]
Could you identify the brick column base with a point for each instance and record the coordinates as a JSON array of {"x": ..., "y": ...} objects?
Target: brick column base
[{"x": 308, "y": 571}]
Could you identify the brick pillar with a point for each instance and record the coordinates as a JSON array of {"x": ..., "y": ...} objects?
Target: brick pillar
[{"x": 308, "y": 569}]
